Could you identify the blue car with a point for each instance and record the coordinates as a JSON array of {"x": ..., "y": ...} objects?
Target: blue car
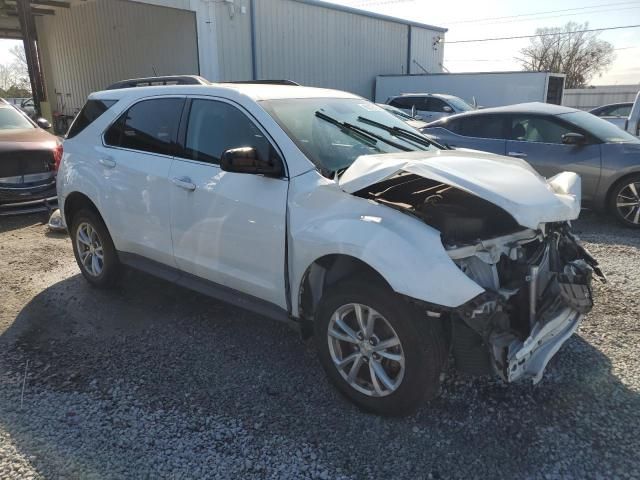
[{"x": 554, "y": 139}]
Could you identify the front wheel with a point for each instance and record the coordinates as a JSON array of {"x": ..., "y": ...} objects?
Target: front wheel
[
  {"x": 625, "y": 201},
  {"x": 378, "y": 350}
]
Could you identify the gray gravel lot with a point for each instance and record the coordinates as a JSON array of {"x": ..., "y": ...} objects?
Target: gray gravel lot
[{"x": 154, "y": 381}]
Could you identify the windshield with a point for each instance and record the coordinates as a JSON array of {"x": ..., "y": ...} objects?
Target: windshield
[
  {"x": 311, "y": 124},
  {"x": 10, "y": 119},
  {"x": 605, "y": 131},
  {"x": 459, "y": 104}
]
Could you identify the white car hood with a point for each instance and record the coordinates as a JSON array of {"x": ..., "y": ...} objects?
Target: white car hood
[{"x": 509, "y": 183}]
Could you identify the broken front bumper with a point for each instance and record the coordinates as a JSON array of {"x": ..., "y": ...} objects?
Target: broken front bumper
[{"x": 524, "y": 325}]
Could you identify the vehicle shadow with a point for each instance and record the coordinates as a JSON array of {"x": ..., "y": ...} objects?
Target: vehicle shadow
[
  {"x": 177, "y": 351},
  {"x": 16, "y": 222}
]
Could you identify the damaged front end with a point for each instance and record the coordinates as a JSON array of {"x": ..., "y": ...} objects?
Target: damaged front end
[
  {"x": 507, "y": 228},
  {"x": 538, "y": 288}
]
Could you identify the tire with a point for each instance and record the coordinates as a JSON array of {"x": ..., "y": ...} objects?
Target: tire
[
  {"x": 624, "y": 201},
  {"x": 88, "y": 233},
  {"x": 421, "y": 347}
]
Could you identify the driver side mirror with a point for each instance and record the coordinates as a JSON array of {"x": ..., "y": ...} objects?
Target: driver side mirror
[
  {"x": 43, "y": 123},
  {"x": 573, "y": 138},
  {"x": 247, "y": 160},
  {"x": 447, "y": 109}
]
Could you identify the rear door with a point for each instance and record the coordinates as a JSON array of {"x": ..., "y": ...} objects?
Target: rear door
[
  {"x": 227, "y": 227},
  {"x": 479, "y": 132},
  {"x": 135, "y": 161},
  {"x": 538, "y": 140}
]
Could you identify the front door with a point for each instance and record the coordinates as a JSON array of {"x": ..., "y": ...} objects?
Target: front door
[
  {"x": 538, "y": 140},
  {"x": 135, "y": 162},
  {"x": 227, "y": 227}
]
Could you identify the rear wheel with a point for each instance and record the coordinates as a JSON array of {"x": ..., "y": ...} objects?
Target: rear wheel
[
  {"x": 625, "y": 201},
  {"x": 377, "y": 349},
  {"x": 94, "y": 250}
]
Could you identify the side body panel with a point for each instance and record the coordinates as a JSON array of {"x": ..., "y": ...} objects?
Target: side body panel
[
  {"x": 324, "y": 220},
  {"x": 618, "y": 161},
  {"x": 231, "y": 228}
]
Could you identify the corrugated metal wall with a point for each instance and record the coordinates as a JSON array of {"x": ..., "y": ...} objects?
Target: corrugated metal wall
[
  {"x": 423, "y": 51},
  {"x": 93, "y": 44},
  {"x": 588, "y": 98},
  {"x": 324, "y": 47},
  {"x": 233, "y": 36}
]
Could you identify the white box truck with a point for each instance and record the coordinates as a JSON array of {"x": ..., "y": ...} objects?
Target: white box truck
[{"x": 487, "y": 89}]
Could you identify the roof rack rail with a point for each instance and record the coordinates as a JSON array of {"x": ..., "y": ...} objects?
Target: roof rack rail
[
  {"x": 267, "y": 82},
  {"x": 165, "y": 80}
]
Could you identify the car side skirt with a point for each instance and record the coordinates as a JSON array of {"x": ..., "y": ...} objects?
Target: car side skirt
[{"x": 206, "y": 287}]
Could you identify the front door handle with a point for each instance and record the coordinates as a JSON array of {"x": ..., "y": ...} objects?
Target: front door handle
[
  {"x": 517, "y": 154},
  {"x": 107, "y": 162},
  {"x": 184, "y": 182}
]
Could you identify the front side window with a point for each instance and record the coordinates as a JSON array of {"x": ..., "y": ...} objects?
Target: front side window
[
  {"x": 148, "y": 126},
  {"x": 619, "y": 111},
  {"x": 333, "y": 132},
  {"x": 435, "y": 105},
  {"x": 526, "y": 128},
  {"x": 214, "y": 127},
  {"x": 599, "y": 128}
]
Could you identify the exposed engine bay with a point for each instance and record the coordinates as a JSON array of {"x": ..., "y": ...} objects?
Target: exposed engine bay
[
  {"x": 537, "y": 282},
  {"x": 459, "y": 216}
]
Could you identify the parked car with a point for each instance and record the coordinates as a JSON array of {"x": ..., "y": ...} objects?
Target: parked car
[
  {"x": 616, "y": 113},
  {"x": 28, "y": 107},
  {"x": 405, "y": 117},
  {"x": 29, "y": 159},
  {"x": 429, "y": 106},
  {"x": 632, "y": 125},
  {"x": 316, "y": 207},
  {"x": 554, "y": 139}
]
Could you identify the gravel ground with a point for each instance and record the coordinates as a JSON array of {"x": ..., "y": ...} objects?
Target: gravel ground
[{"x": 154, "y": 381}]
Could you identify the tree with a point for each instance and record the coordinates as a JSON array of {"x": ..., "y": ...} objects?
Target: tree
[
  {"x": 19, "y": 66},
  {"x": 570, "y": 50}
]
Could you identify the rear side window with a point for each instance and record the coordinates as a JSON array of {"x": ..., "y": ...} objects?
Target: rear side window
[
  {"x": 405, "y": 102},
  {"x": 148, "y": 126},
  {"x": 89, "y": 113},
  {"x": 479, "y": 126}
]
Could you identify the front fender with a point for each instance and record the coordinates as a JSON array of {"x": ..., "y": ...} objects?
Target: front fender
[{"x": 407, "y": 253}]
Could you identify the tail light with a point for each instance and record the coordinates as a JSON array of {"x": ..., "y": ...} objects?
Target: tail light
[{"x": 57, "y": 156}]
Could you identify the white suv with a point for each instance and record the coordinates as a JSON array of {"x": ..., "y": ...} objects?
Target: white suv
[{"x": 318, "y": 207}]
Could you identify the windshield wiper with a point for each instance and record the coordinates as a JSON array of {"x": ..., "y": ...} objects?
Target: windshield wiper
[
  {"x": 401, "y": 132},
  {"x": 361, "y": 132}
]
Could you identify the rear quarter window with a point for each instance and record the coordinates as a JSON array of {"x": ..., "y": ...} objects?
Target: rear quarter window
[{"x": 89, "y": 113}]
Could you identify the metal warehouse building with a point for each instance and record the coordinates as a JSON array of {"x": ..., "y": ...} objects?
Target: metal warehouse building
[{"x": 83, "y": 46}]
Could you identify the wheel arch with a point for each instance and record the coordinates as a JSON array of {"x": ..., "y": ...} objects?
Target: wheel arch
[
  {"x": 76, "y": 201},
  {"x": 328, "y": 270},
  {"x": 616, "y": 183}
]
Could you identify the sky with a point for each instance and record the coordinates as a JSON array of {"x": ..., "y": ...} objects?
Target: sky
[{"x": 473, "y": 19}]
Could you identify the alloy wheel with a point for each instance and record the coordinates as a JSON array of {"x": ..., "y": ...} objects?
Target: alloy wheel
[
  {"x": 628, "y": 202},
  {"x": 366, "y": 350},
  {"x": 90, "y": 249}
]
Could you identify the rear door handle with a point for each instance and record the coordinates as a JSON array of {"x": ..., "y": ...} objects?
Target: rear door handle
[
  {"x": 517, "y": 154},
  {"x": 107, "y": 162},
  {"x": 184, "y": 182}
]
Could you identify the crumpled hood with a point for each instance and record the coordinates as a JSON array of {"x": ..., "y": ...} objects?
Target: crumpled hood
[{"x": 509, "y": 183}]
